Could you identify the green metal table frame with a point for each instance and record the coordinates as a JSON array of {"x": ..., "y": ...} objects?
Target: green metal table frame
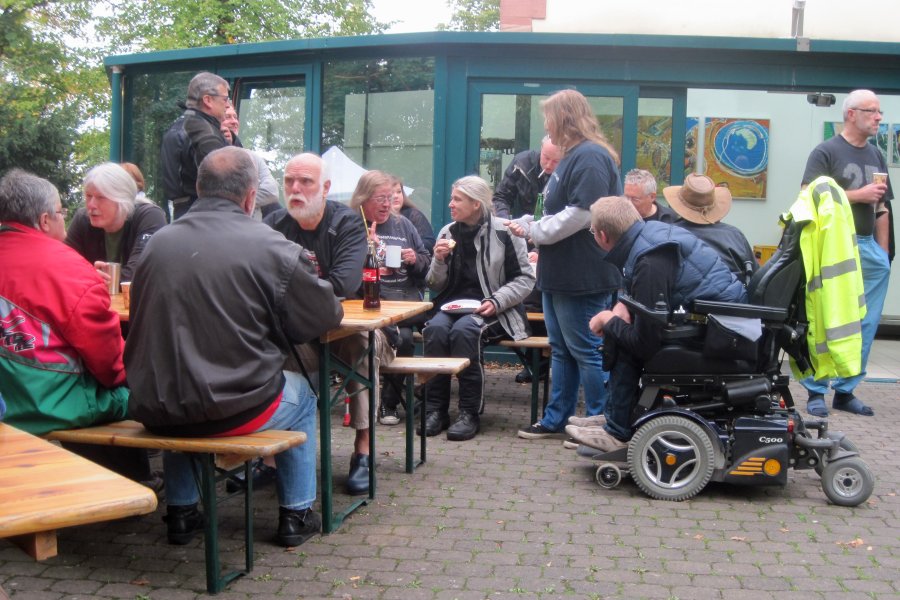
[{"x": 327, "y": 401}]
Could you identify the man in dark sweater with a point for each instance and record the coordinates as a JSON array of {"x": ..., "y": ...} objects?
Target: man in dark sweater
[{"x": 658, "y": 261}]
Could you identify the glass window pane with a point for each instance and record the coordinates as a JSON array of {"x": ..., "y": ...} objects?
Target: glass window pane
[
  {"x": 381, "y": 114},
  {"x": 273, "y": 121},
  {"x": 654, "y": 139},
  {"x": 512, "y": 123},
  {"x": 157, "y": 101}
]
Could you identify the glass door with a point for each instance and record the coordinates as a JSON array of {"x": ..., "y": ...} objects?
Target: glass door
[
  {"x": 640, "y": 124},
  {"x": 274, "y": 116}
]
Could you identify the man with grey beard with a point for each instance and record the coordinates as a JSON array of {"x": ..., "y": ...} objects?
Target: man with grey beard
[{"x": 335, "y": 238}]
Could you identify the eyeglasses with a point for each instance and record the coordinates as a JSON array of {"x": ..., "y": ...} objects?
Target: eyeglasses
[
  {"x": 226, "y": 96},
  {"x": 381, "y": 199},
  {"x": 869, "y": 110},
  {"x": 63, "y": 211}
]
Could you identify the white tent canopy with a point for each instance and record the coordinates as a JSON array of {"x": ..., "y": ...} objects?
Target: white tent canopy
[{"x": 345, "y": 174}]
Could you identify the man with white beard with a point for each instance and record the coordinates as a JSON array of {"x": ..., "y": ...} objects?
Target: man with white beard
[{"x": 335, "y": 238}]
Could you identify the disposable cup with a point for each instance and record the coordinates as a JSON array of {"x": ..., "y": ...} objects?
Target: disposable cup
[
  {"x": 880, "y": 178},
  {"x": 126, "y": 293}
]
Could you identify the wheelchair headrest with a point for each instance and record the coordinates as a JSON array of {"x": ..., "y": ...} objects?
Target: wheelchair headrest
[{"x": 777, "y": 281}]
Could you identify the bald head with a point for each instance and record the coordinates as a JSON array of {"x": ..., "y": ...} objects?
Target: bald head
[
  {"x": 228, "y": 173},
  {"x": 306, "y": 184}
]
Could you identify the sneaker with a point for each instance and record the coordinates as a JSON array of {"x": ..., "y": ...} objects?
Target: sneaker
[
  {"x": 595, "y": 437},
  {"x": 388, "y": 416},
  {"x": 595, "y": 421},
  {"x": 570, "y": 443},
  {"x": 538, "y": 431}
]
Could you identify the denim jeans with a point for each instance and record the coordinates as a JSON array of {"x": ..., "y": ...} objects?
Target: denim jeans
[
  {"x": 574, "y": 358},
  {"x": 623, "y": 394},
  {"x": 876, "y": 271},
  {"x": 296, "y": 467}
]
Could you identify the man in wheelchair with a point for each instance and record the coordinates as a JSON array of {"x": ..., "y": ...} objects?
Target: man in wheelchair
[{"x": 660, "y": 263}]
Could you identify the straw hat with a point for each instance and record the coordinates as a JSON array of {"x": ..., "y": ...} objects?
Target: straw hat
[{"x": 699, "y": 200}]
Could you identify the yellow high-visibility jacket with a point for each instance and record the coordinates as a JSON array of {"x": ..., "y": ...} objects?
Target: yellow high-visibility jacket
[{"x": 835, "y": 298}]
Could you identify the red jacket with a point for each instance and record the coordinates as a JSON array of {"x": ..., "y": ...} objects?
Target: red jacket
[{"x": 60, "y": 344}]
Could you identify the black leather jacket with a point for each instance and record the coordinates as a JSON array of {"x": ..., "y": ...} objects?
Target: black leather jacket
[{"x": 188, "y": 140}]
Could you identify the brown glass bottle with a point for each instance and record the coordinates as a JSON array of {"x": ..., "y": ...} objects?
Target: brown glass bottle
[{"x": 371, "y": 281}]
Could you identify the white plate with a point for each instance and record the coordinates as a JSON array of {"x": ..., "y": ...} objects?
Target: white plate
[{"x": 461, "y": 307}]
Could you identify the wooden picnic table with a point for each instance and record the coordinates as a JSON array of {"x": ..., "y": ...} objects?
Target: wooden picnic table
[{"x": 44, "y": 488}]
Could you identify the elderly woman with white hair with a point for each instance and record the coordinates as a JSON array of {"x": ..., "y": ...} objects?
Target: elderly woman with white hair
[
  {"x": 113, "y": 226},
  {"x": 478, "y": 261}
]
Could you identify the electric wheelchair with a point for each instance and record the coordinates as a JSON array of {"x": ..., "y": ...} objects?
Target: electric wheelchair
[{"x": 714, "y": 406}]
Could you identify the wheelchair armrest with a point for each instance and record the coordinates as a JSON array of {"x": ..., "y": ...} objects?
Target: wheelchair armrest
[
  {"x": 750, "y": 311},
  {"x": 659, "y": 313}
]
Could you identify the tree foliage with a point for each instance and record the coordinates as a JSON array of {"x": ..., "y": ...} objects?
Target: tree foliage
[
  {"x": 143, "y": 25},
  {"x": 473, "y": 15},
  {"x": 47, "y": 87},
  {"x": 55, "y": 91}
]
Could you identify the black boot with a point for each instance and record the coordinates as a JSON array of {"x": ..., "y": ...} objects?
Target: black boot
[
  {"x": 183, "y": 523},
  {"x": 465, "y": 428},
  {"x": 435, "y": 422},
  {"x": 358, "y": 481},
  {"x": 297, "y": 526}
]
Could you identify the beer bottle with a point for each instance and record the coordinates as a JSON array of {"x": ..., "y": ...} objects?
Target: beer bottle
[
  {"x": 539, "y": 207},
  {"x": 371, "y": 280}
]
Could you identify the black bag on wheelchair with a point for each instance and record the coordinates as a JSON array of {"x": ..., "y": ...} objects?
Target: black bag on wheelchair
[{"x": 721, "y": 341}]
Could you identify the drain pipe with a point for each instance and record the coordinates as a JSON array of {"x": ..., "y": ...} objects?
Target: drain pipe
[{"x": 797, "y": 25}]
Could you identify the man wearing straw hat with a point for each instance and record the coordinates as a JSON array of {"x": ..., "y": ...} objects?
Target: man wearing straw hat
[
  {"x": 334, "y": 235},
  {"x": 701, "y": 206}
]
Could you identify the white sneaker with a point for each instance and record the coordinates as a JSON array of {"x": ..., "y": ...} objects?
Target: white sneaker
[
  {"x": 570, "y": 444},
  {"x": 595, "y": 421},
  {"x": 595, "y": 437}
]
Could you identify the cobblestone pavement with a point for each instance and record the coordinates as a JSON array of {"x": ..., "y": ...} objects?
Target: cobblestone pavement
[{"x": 501, "y": 518}]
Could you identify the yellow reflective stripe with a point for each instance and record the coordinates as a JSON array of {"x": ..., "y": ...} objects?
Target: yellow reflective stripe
[
  {"x": 830, "y": 272},
  {"x": 843, "y": 331}
]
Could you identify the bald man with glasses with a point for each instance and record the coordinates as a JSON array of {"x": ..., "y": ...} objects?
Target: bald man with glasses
[{"x": 852, "y": 162}]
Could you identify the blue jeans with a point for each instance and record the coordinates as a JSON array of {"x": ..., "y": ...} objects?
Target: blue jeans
[
  {"x": 876, "y": 271},
  {"x": 624, "y": 378},
  {"x": 574, "y": 358},
  {"x": 296, "y": 467}
]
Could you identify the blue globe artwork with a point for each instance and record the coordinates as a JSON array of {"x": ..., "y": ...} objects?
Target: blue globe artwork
[{"x": 742, "y": 147}]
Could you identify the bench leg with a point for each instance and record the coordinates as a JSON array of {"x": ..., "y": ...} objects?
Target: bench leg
[
  {"x": 214, "y": 582},
  {"x": 536, "y": 382},
  {"x": 40, "y": 545},
  {"x": 411, "y": 464}
]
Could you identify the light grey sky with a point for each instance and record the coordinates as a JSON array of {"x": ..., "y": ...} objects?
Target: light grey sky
[{"x": 415, "y": 15}]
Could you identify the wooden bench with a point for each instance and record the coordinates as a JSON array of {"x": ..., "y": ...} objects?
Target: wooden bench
[
  {"x": 423, "y": 367},
  {"x": 531, "y": 351},
  {"x": 241, "y": 450},
  {"x": 44, "y": 488}
]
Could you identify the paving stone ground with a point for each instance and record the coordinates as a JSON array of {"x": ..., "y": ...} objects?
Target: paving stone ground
[{"x": 501, "y": 518}]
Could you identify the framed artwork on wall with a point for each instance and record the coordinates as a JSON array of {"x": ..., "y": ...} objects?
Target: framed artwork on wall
[{"x": 734, "y": 152}]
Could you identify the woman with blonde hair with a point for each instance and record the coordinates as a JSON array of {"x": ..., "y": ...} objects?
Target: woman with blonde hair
[
  {"x": 475, "y": 259},
  {"x": 113, "y": 226},
  {"x": 572, "y": 296}
]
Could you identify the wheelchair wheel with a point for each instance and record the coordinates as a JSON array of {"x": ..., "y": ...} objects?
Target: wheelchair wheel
[
  {"x": 848, "y": 481},
  {"x": 845, "y": 444},
  {"x": 671, "y": 458},
  {"x": 608, "y": 476}
]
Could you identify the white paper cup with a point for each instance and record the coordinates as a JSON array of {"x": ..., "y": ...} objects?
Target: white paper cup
[{"x": 392, "y": 257}]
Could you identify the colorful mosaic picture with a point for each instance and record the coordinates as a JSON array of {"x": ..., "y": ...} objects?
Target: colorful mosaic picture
[
  {"x": 895, "y": 145},
  {"x": 735, "y": 153}
]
